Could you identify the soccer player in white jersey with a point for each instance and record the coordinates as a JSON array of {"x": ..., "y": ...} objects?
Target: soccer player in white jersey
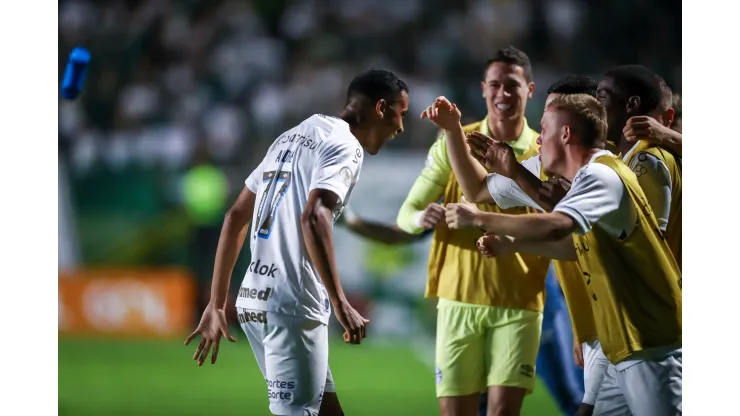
[{"x": 292, "y": 200}]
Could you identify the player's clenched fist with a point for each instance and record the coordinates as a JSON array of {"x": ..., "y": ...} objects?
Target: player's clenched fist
[
  {"x": 460, "y": 215},
  {"x": 432, "y": 215},
  {"x": 491, "y": 245},
  {"x": 355, "y": 326},
  {"x": 443, "y": 113}
]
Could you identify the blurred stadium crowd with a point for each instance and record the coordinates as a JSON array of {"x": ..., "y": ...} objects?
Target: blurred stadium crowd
[{"x": 171, "y": 81}]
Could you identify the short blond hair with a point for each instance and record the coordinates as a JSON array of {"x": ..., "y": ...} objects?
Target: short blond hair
[{"x": 588, "y": 116}]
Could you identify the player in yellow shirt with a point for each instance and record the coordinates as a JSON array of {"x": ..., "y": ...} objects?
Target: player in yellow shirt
[
  {"x": 489, "y": 310},
  {"x": 605, "y": 222},
  {"x": 481, "y": 187}
]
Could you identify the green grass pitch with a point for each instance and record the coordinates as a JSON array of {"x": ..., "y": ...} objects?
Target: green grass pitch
[{"x": 144, "y": 377}]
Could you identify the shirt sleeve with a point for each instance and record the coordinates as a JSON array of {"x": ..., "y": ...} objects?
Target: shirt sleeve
[
  {"x": 254, "y": 179},
  {"x": 338, "y": 165},
  {"x": 597, "y": 191},
  {"x": 655, "y": 181},
  {"x": 428, "y": 187},
  {"x": 507, "y": 194}
]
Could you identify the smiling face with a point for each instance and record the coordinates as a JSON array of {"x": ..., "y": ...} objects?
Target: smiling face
[
  {"x": 506, "y": 91},
  {"x": 387, "y": 121}
]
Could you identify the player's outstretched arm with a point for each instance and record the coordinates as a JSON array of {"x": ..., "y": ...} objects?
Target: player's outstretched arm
[
  {"x": 491, "y": 245},
  {"x": 553, "y": 226},
  {"x": 316, "y": 224},
  {"x": 375, "y": 231},
  {"x": 213, "y": 324},
  {"x": 469, "y": 173}
]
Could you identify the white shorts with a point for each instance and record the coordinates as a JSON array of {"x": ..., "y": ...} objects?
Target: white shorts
[
  {"x": 642, "y": 388},
  {"x": 293, "y": 355},
  {"x": 595, "y": 364}
]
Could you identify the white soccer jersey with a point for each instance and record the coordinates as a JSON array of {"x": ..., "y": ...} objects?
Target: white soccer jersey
[{"x": 319, "y": 153}]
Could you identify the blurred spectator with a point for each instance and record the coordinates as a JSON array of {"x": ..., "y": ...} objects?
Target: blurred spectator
[{"x": 240, "y": 71}]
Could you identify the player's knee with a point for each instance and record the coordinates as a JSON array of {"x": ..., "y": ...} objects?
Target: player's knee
[{"x": 503, "y": 407}]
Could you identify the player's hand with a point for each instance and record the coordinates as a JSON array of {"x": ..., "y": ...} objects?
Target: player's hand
[
  {"x": 578, "y": 353},
  {"x": 433, "y": 214},
  {"x": 355, "y": 326},
  {"x": 553, "y": 190},
  {"x": 496, "y": 157},
  {"x": 648, "y": 129},
  {"x": 213, "y": 325},
  {"x": 443, "y": 113},
  {"x": 491, "y": 245},
  {"x": 460, "y": 215}
]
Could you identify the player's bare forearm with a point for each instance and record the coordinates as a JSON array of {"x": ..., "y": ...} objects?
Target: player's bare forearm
[
  {"x": 532, "y": 227},
  {"x": 233, "y": 233},
  {"x": 531, "y": 184},
  {"x": 381, "y": 233},
  {"x": 470, "y": 175},
  {"x": 316, "y": 224},
  {"x": 674, "y": 142}
]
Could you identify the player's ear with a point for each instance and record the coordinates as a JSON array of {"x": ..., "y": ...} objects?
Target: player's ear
[
  {"x": 668, "y": 117},
  {"x": 567, "y": 135},
  {"x": 483, "y": 89},
  {"x": 530, "y": 90},
  {"x": 633, "y": 104},
  {"x": 381, "y": 107}
]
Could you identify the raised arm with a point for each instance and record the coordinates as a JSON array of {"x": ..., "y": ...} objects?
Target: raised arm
[
  {"x": 470, "y": 175},
  {"x": 650, "y": 130}
]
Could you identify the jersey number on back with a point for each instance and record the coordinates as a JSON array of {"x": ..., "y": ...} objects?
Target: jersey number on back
[{"x": 278, "y": 183}]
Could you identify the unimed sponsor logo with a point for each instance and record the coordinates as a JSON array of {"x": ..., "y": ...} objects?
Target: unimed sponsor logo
[
  {"x": 263, "y": 295},
  {"x": 262, "y": 269},
  {"x": 245, "y": 317},
  {"x": 276, "y": 389}
]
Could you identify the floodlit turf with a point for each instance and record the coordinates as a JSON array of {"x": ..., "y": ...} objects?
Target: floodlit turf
[{"x": 142, "y": 378}]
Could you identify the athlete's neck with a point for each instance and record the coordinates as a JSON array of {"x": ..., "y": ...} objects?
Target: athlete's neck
[
  {"x": 577, "y": 157},
  {"x": 624, "y": 146},
  {"x": 505, "y": 131}
]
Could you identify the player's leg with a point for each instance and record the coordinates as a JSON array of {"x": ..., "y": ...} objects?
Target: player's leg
[
  {"x": 512, "y": 343},
  {"x": 296, "y": 363},
  {"x": 595, "y": 365},
  {"x": 555, "y": 364},
  {"x": 458, "y": 356},
  {"x": 255, "y": 332},
  {"x": 330, "y": 405},
  {"x": 610, "y": 401},
  {"x": 653, "y": 387}
]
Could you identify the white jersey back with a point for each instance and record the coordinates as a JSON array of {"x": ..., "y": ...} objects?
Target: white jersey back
[{"x": 319, "y": 153}]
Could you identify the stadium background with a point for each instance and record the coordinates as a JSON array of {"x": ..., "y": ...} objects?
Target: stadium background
[{"x": 181, "y": 101}]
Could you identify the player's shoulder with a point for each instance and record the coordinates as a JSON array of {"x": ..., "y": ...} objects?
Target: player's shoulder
[
  {"x": 598, "y": 175},
  {"x": 333, "y": 131},
  {"x": 657, "y": 154}
]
